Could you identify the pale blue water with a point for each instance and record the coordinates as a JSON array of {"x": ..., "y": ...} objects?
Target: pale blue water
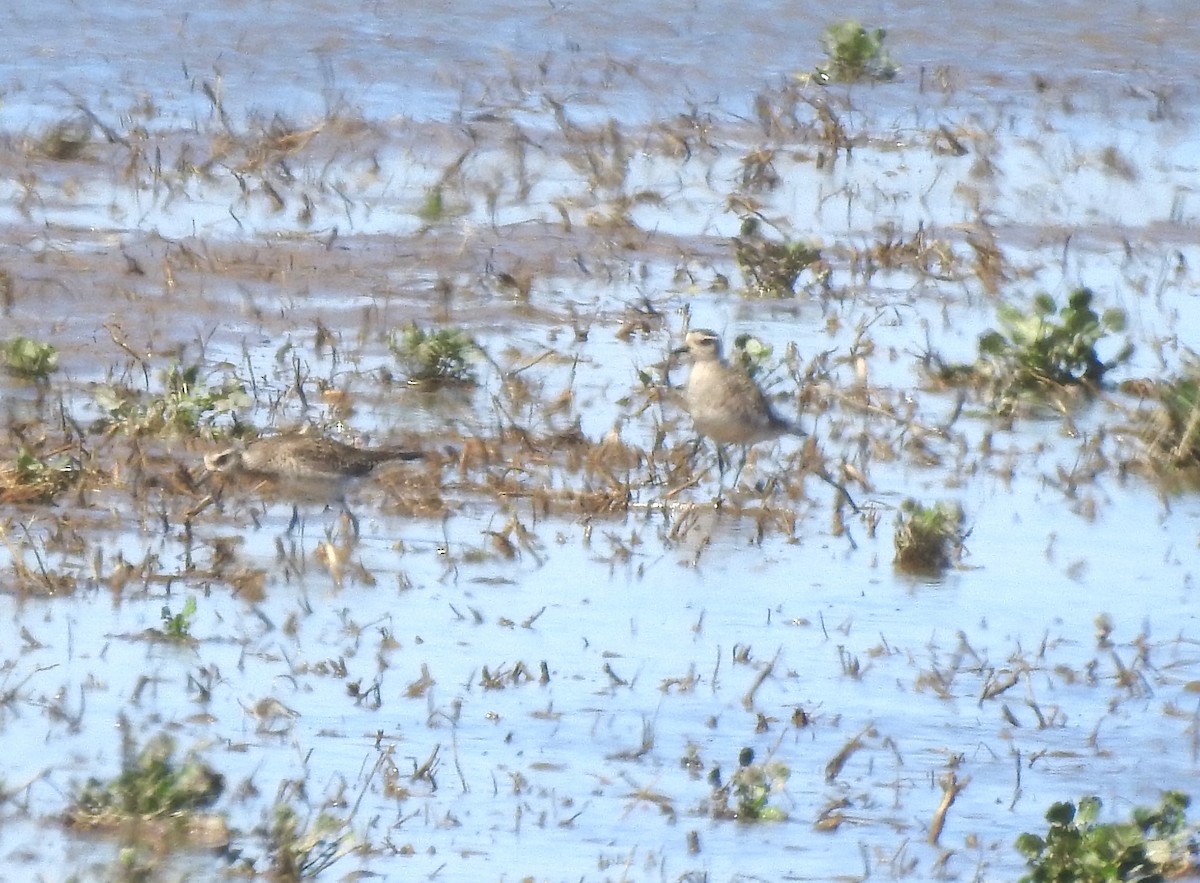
[
  {"x": 546, "y": 780},
  {"x": 430, "y": 60}
]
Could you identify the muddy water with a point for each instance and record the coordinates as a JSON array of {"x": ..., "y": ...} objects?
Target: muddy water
[{"x": 670, "y": 628}]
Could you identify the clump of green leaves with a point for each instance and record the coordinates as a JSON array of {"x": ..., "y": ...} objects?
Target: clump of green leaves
[
  {"x": 302, "y": 851},
  {"x": 29, "y": 358},
  {"x": 855, "y": 54},
  {"x": 773, "y": 267},
  {"x": 1057, "y": 352},
  {"x": 184, "y": 407},
  {"x": 150, "y": 786},
  {"x": 1151, "y": 847},
  {"x": 178, "y": 626},
  {"x": 440, "y": 206},
  {"x": 750, "y": 353},
  {"x": 1039, "y": 348},
  {"x": 436, "y": 357},
  {"x": 745, "y": 796},
  {"x": 433, "y": 209},
  {"x": 35, "y": 479},
  {"x": 1045, "y": 349},
  {"x": 928, "y": 538}
]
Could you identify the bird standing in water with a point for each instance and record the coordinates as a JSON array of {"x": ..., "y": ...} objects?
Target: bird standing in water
[
  {"x": 728, "y": 407},
  {"x": 725, "y": 403}
]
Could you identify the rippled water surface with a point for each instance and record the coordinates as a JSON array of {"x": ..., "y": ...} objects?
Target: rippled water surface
[{"x": 549, "y": 643}]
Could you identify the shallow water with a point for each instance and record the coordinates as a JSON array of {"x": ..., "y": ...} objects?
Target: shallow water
[{"x": 656, "y": 616}]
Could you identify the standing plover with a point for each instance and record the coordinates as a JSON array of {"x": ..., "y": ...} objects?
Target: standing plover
[
  {"x": 304, "y": 467},
  {"x": 727, "y": 406},
  {"x": 725, "y": 403}
]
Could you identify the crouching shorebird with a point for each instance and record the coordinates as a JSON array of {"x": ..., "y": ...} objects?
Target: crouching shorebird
[
  {"x": 303, "y": 467},
  {"x": 728, "y": 407}
]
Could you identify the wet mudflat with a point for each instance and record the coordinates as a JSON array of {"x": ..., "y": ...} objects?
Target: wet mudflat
[{"x": 545, "y": 651}]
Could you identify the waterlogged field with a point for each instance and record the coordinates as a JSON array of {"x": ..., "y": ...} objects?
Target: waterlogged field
[{"x": 565, "y": 645}]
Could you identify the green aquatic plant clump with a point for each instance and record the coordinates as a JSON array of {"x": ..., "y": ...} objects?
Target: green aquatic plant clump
[
  {"x": 928, "y": 539},
  {"x": 1051, "y": 345},
  {"x": 29, "y": 359},
  {"x": 303, "y": 850},
  {"x": 178, "y": 626},
  {"x": 186, "y": 406},
  {"x": 1041, "y": 351},
  {"x": 772, "y": 267},
  {"x": 151, "y": 785},
  {"x": 855, "y": 53},
  {"x": 1154, "y": 846},
  {"x": 436, "y": 357},
  {"x": 746, "y": 795},
  {"x": 35, "y": 479},
  {"x": 751, "y": 354}
]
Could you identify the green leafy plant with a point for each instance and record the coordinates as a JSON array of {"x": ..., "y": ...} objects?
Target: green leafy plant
[
  {"x": 150, "y": 786},
  {"x": 1038, "y": 348},
  {"x": 303, "y": 851},
  {"x": 433, "y": 209},
  {"x": 745, "y": 796},
  {"x": 184, "y": 407},
  {"x": 772, "y": 267},
  {"x": 436, "y": 357},
  {"x": 855, "y": 54},
  {"x": 1151, "y": 847},
  {"x": 751, "y": 354},
  {"x": 178, "y": 626},
  {"x": 29, "y": 358},
  {"x": 1041, "y": 350},
  {"x": 35, "y": 479},
  {"x": 928, "y": 538}
]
